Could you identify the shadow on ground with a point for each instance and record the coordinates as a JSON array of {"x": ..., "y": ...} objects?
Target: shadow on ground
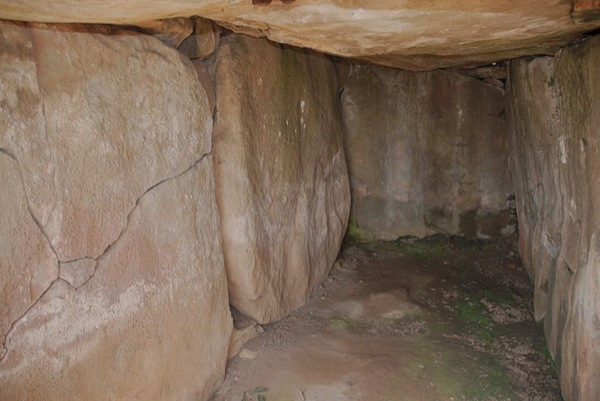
[{"x": 412, "y": 320}]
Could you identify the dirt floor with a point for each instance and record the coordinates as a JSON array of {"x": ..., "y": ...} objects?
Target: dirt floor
[{"x": 412, "y": 320}]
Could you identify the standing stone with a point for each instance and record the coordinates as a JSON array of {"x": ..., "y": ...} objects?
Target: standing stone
[
  {"x": 426, "y": 154},
  {"x": 109, "y": 243},
  {"x": 556, "y": 160},
  {"x": 282, "y": 185},
  {"x": 117, "y": 122},
  {"x": 28, "y": 264}
]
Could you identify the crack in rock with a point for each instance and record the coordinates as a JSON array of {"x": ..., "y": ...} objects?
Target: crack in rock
[
  {"x": 71, "y": 271},
  {"x": 137, "y": 202},
  {"x": 33, "y": 217},
  {"x": 78, "y": 271},
  {"x": 4, "y": 346}
]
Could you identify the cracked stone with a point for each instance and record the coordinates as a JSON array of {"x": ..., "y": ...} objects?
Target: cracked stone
[
  {"x": 159, "y": 294},
  {"x": 78, "y": 272},
  {"x": 123, "y": 193},
  {"x": 113, "y": 129},
  {"x": 28, "y": 264}
]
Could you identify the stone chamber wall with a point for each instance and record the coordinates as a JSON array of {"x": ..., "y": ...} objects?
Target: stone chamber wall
[
  {"x": 137, "y": 205},
  {"x": 427, "y": 153},
  {"x": 555, "y": 158},
  {"x": 144, "y": 192}
]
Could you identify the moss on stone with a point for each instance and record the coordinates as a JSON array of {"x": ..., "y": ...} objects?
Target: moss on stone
[{"x": 355, "y": 234}]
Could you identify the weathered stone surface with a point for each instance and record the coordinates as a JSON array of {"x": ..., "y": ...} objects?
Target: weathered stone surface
[
  {"x": 112, "y": 281},
  {"x": 556, "y": 161},
  {"x": 426, "y": 153},
  {"x": 116, "y": 122},
  {"x": 27, "y": 264},
  {"x": 153, "y": 322},
  {"x": 410, "y": 35},
  {"x": 170, "y": 31},
  {"x": 207, "y": 84},
  {"x": 77, "y": 272},
  {"x": 282, "y": 185},
  {"x": 203, "y": 41},
  {"x": 585, "y": 10}
]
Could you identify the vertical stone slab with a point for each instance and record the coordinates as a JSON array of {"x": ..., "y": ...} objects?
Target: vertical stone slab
[
  {"x": 117, "y": 121},
  {"x": 28, "y": 264},
  {"x": 282, "y": 185},
  {"x": 153, "y": 322},
  {"x": 556, "y": 162},
  {"x": 426, "y": 154},
  {"x": 112, "y": 278}
]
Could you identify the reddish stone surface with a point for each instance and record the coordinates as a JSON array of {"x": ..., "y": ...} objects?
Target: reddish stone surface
[
  {"x": 281, "y": 177},
  {"x": 112, "y": 282}
]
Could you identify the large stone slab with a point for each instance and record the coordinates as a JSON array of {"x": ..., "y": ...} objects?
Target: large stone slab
[
  {"x": 112, "y": 278},
  {"x": 153, "y": 322},
  {"x": 405, "y": 34},
  {"x": 116, "y": 122},
  {"x": 28, "y": 264},
  {"x": 426, "y": 154},
  {"x": 556, "y": 162},
  {"x": 282, "y": 184}
]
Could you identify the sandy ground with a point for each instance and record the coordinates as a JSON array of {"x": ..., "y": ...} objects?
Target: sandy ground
[{"x": 412, "y": 320}]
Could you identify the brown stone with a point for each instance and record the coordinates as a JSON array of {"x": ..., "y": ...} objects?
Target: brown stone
[
  {"x": 203, "y": 41},
  {"x": 77, "y": 272},
  {"x": 207, "y": 84},
  {"x": 153, "y": 321},
  {"x": 413, "y": 35},
  {"x": 170, "y": 31},
  {"x": 112, "y": 282},
  {"x": 110, "y": 131},
  {"x": 239, "y": 338},
  {"x": 585, "y": 10},
  {"x": 28, "y": 265},
  {"x": 282, "y": 185},
  {"x": 556, "y": 164},
  {"x": 426, "y": 154}
]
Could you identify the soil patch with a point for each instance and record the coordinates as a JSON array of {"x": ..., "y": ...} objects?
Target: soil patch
[{"x": 414, "y": 320}]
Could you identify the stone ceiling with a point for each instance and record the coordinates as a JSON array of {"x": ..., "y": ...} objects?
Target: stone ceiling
[{"x": 410, "y": 34}]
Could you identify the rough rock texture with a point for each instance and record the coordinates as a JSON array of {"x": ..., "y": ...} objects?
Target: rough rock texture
[
  {"x": 110, "y": 238},
  {"x": 406, "y": 34},
  {"x": 282, "y": 184},
  {"x": 556, "y": 159},
  {"x": 170, "y": 31},
  {"x": 104, "y": 141},
  {"x": 426, "y": 153},
  {"x": 28, "y": 263},
  {"x": 203, "y": 41}
]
